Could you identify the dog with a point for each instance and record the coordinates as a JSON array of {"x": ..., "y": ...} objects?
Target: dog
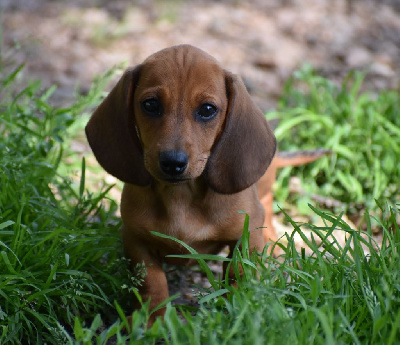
[{"x": 190, "y": 145}]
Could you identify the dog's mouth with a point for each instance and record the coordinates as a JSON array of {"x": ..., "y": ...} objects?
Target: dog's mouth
[{"x": 175, "y": 180}]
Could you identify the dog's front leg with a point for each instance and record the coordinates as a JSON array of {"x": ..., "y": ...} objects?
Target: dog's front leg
[{"x": 153, "y": 288}]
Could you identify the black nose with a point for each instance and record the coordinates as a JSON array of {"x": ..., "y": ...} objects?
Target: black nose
[{"x": 173, "y": 163}]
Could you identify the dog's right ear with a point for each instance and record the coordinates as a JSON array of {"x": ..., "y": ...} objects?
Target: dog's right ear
[{"x": 112, "y": 134}]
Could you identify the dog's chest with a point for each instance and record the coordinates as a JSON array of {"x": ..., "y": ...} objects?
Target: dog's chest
[
  {"x": 186, "y": 216},
  {"x": 182, "y": 218}
]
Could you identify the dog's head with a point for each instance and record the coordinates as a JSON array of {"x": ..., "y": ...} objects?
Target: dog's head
[{"x": 179, "y": 116}]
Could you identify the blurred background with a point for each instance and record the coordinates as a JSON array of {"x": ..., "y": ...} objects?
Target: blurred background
[{"x": 68, "y": 43}]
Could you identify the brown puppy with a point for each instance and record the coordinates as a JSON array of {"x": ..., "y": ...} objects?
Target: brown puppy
[{"x": 185, "y": 137}]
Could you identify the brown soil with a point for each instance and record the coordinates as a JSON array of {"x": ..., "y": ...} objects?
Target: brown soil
[{"x": 68, "y": 43}]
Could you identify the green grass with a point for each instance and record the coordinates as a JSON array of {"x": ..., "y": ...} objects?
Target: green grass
[
  {"x": 337, "y": 295},
  {"x": 63, "y": 279},
  {"x": 360, "y": 127},
  {"x": 59, "y": 243}
]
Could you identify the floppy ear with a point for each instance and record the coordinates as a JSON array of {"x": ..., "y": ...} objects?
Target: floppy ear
[
  {"x": 246, "y": 147},
  {"x": 112, "y": 136}
]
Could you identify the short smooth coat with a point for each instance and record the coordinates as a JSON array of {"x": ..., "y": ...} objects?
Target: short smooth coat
[{"x": 224, "y": 157}]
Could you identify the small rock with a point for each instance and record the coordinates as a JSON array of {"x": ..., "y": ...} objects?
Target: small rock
[{"x": 358, "y": 57}]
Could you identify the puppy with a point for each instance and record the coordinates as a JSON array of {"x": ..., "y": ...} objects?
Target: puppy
[{"x": 190, "y": 145}]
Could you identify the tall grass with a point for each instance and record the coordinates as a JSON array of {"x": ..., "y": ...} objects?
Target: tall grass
[
  {"x": 58, "y": 243},
  {"x": 336, "y": 295},
  {"x": 361, "y": 128}
]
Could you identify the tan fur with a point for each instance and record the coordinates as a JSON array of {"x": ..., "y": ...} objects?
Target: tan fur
[
  {"x": 227, "y": 155},
  {"x": 266, "y": 182}
]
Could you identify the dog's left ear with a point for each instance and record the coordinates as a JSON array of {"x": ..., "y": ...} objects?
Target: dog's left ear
[{"x": 246, "y": 147}]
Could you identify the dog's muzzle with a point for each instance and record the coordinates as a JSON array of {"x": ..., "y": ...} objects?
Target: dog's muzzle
[{"x": 173, "y": 163}]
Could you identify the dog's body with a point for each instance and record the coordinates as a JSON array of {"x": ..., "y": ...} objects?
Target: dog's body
[
  {"x": 266, "y": 182},
  {"x": 190, "y": 145},
  {"x": 196, "y": 215}
]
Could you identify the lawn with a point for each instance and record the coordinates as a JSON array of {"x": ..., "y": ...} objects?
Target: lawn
[{"x": 63, "y": 278}]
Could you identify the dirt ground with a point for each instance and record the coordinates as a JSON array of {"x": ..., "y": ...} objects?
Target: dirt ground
[{"x": 68, "y": 43}]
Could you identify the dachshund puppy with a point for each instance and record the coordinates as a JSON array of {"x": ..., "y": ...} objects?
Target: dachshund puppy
[{"x": 190, "y": 145}]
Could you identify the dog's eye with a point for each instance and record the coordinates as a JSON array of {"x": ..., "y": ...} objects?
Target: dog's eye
[
  {"x": 207, "y": 112},
  {"x": 151, "y": 107}
]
